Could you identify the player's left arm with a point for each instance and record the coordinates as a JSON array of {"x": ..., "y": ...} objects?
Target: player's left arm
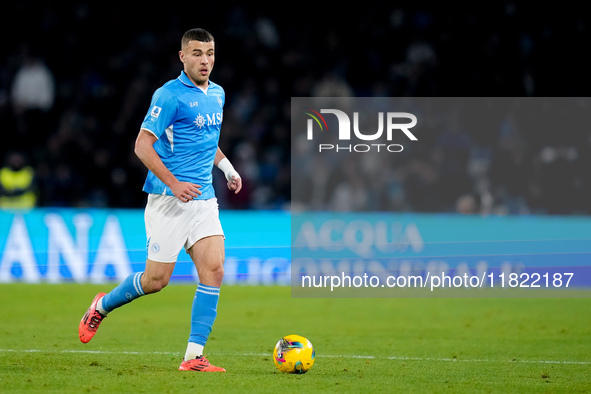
[{"x": 232, "y": 176}]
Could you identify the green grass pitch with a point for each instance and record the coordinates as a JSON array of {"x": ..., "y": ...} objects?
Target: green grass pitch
[{"x": 362, "y": 345}]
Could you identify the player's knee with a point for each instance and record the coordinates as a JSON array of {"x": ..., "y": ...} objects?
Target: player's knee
[
  {"x": 218, "y": 272},
  {"x": 212, "y": 275}
]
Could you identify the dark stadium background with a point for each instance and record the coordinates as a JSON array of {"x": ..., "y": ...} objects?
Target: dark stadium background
[{"x": 106, "y": 59}]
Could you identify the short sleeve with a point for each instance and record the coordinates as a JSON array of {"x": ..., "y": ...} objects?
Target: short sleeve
[{"x": 162, "y": 112}]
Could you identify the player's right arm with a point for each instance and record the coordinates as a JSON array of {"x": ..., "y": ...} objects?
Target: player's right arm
[{"x": 144, "y": 149}]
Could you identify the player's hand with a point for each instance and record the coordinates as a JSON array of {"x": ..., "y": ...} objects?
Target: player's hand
[
  {"x": 185, "y": 191},
  {"x": 235, "y": 184}
]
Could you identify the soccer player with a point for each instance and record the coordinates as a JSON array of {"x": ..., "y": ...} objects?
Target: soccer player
[{"x": 178, "y": 143}]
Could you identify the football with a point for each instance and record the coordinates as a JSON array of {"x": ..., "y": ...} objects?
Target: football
[{"x": 294, "y": 354}]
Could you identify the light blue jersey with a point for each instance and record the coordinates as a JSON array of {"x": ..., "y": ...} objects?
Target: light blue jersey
[{"x": 187, "y": 122}]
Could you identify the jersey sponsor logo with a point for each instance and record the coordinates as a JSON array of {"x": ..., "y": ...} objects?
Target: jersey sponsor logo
[
  {"x": 194, "y": 104},
  {"x": 208, "y": 120},
  {"x": 199, "y": 121},
  {"x": 155, "y": 112}
]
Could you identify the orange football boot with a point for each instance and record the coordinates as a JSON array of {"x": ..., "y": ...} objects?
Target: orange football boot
[{"x": 90, "y": 321}]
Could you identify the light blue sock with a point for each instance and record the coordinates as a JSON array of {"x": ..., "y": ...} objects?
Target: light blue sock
[
  {"x": 127, "y": 291},
  {"x": 203, "y": 313}
]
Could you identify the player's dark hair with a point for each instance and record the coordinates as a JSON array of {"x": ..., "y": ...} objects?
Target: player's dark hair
[{"x": 196, "y": 34}]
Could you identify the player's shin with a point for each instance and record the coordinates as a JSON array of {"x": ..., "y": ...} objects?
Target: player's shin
[
  {"x": 203, "y": 314},
  {"x": 127, "y": 291}
]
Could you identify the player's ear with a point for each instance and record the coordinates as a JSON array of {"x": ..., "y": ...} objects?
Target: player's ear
[{"x": 182, "y": 56}]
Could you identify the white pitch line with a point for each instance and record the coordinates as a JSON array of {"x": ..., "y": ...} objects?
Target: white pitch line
[{"x": 398, "y": 358}]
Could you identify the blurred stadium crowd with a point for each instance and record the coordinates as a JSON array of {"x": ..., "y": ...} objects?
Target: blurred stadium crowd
[{"x": 76, "y": 78}]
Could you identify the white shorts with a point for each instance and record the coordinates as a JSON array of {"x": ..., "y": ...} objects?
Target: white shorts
[{"x": 172, "y": 224}]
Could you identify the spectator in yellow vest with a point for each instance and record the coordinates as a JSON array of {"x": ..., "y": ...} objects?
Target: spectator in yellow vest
[{"x": 17, "y": 183}]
